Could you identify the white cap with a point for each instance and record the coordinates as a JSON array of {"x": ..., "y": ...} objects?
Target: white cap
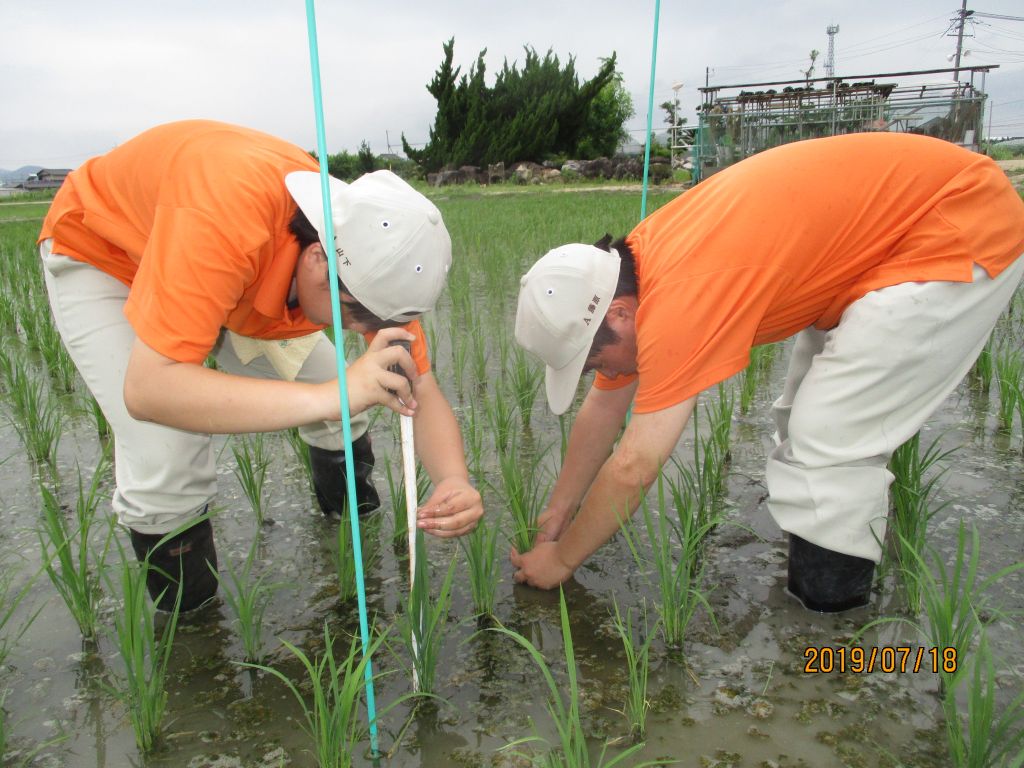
[
  {"x": 562, "y": 301},
  {"x": 393, "y": 249}
]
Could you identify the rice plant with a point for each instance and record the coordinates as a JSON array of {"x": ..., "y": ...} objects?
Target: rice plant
[
  {"x": 99, "y": 419},
  {"x": 677, "y": 560},
  {"x": 912, "y": 508},
  {"x": 68, "y": 553},
  {"x": 1009, "y": 374},
  {"x": 332, "y": 719},
  {"x": 525, "y": 378},
  {"x": 344, "y": 554},
  {"x": 422, "y": 628},
  {"x": 501, "y": 414},
  {"x": 55, "y": 356},
  {"x": 251, "y": 464},
  {"x": 301, "y": 450},
  {"x": 481, "y": 550},
  {"x": 636, "y": 643},
  {"x": 563, "y": 705},
  {"x": 460, "y": 356},
  {"x": 473, "y": 437},
  {"x": 983, "y": 368},
  {"x": 478, "y": 355},
  {"x": 145, "y": 652},
  {"x": 954, "y": 597},
  {"x": 248, "y": 599},
  {"x": 36, "y": 416},
  {"x": 396, "y": 489},
  {"x": 10, "y": 600},
  {"x": 523, "y": 491},
  {"x": 986, "y": 739},
  {"x": 755, "y": 375}
]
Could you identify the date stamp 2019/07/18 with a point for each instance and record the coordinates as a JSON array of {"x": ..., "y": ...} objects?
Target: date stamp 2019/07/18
[{"x": 826, "y": 659}]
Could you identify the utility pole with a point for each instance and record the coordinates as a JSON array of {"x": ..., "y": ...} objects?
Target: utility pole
[
  {"x": 830, "y": 60},
  {"x": 963, "y": 13}
]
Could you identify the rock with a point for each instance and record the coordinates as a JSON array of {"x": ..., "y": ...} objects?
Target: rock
[
  {"x": 496, "y": 173},
  {"x": 549, "y": 175}
]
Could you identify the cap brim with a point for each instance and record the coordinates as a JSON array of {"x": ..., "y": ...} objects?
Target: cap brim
[
  {"x": 307, "y": 192},
  {"x": 560, "y": 383}
]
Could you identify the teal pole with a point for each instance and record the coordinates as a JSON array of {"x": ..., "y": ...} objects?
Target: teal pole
[
  {"x": 339, "y": 350},
  {"x": 650, "y": 111}
]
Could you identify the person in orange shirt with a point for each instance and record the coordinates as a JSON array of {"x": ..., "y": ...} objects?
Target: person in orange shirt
[
  {"x": 890, "y": 256},
  {"x": 200, "y": 239}
]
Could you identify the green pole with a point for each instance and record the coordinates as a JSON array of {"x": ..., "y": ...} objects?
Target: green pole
[
  {"x": 339, "y": 350},
  {"x": 650, "y": 111}
]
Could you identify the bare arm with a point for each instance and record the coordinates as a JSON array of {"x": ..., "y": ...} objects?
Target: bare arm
[
  {"x": 590, "y": 443},
  {"x": 189, "y": 396},
  {"x": 455, "y": 506},
  {"x": 614, "y": 496}
]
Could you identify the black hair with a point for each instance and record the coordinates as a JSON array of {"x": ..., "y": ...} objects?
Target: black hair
[
  {"x": 307, "y": 235},
  {"x": 626, "y": 286}
]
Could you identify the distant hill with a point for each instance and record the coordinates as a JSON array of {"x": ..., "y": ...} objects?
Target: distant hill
[{"x": 13, "y": 177}]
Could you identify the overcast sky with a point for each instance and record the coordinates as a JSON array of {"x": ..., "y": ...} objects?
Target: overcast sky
[{"x": 77, "y": 78}]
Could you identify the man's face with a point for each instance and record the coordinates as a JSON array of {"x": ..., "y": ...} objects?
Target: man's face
[
  {"x": 313, "y": 285},
  {"x": 619, "y": 357}
]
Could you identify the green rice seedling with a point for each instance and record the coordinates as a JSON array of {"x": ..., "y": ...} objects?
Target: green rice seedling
[
  {"x": 251, "y": 464},
  {"x": 8, "y": 314},
  {"x": 720, "y": 418},
  {"x": 524, "y": 492},
  {"x": 478, "y": 355},
  {"x": 501, "y": 413},
  {"x": 563, "y": 705},
  {"x": 983, "y": 369},
  {"x": 396, "y": 488},
  {"x": 525, "y": 378},
  {"x": 912, "y": 508},
  {"x": 460, "y": 356},
  {"x": 473, "y": 435},
  {"x": 636, "y": 642},
  {"x": 144, "y": 651},
  {"x": 676, "y": 559},
  {"x": 55, "y": 356},
  {"x": 422, "y": 628},
  {"x": 481, "y": 549},
  {"x": 755, "y": 374},
  {"x": 564, "y": 428},
  {"x": 987, "y": 739},
  {"x": 10, "y": 600},
  {"x": 344, "y": 554},
  {"x": 332, "y": 720},
  {"x": 301, "y": 450},
  {"x": 99, "y": 418},
  {"x": 1009, "y": 374},
  {"x": 68, "y": 554},
  {"x": 248, "y": 599},
  {"x": 37, "y": 418},
  {"x": 953, "y": 598}
]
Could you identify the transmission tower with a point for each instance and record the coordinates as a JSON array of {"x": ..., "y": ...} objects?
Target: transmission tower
[{"x": 830, "y": 60}]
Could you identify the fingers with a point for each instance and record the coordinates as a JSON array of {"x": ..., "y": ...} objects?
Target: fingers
[
  {"x": 455, "y": 514},
  {"x": 386, "y": 335}
]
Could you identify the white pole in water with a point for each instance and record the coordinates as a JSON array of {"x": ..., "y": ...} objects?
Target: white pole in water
[{"x": 411, "y": 504}]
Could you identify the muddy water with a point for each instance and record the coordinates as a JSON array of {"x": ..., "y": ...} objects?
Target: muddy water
[{"x": 741, "y": 697}]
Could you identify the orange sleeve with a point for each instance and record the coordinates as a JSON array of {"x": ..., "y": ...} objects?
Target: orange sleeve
[
  {"x": 419, "y": 346},
  {"x": 188, "y": 281},
  {"x": 696, "y": 332}
]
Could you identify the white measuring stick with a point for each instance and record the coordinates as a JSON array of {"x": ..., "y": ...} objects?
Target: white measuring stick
[{"x": 411, "y": 504}]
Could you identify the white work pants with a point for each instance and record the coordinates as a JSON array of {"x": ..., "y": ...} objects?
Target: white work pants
[
  {"x": 164, "y": 476},
  {"x": 855, "y": 393}
]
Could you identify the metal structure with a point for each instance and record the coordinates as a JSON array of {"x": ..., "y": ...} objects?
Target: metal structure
[
  {"x": 736, "y": 121},
  {"x": 830, "y": 59}
]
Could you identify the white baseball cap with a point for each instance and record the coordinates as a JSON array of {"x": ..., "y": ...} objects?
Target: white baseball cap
[
  {"x": 562, "y": 301},
  {"x": 393, "y": 249}
]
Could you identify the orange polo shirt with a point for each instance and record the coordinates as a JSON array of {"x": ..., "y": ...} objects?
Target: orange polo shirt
[
  {"x": 788, "y": 238},
  {"x": 193, "y": 217}
]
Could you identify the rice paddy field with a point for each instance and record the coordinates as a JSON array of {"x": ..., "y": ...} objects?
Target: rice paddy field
[{"x": 675, "y": 644}]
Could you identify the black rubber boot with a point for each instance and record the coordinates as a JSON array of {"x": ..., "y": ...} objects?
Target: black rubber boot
[
  {"x": 182, "y": 559},
  {"x": 329, "y": 478},
  {"x": 828, "y": 581}
]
